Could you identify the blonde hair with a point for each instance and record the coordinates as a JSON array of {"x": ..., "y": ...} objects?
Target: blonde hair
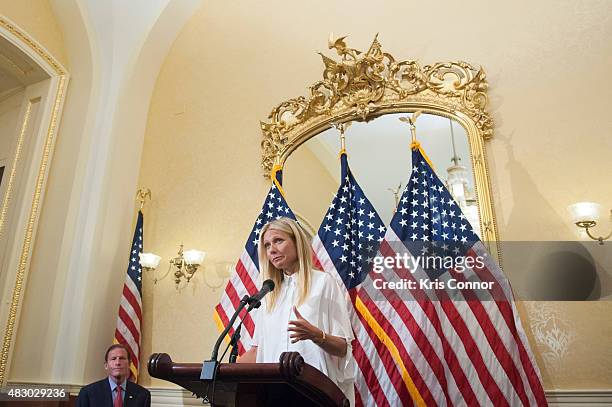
[{"x": 302, "y": 240}]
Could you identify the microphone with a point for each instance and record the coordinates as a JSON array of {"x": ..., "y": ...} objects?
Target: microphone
[{"x": 255, "y": 301}]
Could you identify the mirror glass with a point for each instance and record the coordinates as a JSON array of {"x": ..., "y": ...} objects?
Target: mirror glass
[{"x": 379, "y": 156}]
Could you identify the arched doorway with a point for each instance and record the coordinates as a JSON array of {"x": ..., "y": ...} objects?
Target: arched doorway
[{"x": 32, "y": 90}]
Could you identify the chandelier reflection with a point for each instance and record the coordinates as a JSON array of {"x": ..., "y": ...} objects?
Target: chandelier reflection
[{"x": 457, "y": 183}]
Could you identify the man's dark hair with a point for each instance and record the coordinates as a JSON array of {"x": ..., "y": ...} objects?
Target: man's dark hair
[{"x": 115, "y": 346}]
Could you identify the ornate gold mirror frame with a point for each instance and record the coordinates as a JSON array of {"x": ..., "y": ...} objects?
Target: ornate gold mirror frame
[{"x": 362, "y": 86}]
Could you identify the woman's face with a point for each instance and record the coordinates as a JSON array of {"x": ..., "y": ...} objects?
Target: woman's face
[{"x": 281, "y": 250}]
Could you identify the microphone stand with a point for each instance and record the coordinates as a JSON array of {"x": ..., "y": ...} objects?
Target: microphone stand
[
  {"x": 236, "y": 336},
  {"x": 209, "y": 367},
  {"x": 234, "y": 344}
]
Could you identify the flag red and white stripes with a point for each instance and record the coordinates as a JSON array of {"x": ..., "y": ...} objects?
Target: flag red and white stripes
[
  {"x": 244, "y": 280},
  {"x": 460, "y": 346},
  {"x": 129, "y": 319}
]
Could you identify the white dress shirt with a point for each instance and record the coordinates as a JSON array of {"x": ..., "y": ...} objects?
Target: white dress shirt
[{"x": 325, "y": 308}]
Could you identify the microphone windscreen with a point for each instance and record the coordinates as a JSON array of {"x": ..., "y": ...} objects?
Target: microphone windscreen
[{"x": 269, "y": 284}]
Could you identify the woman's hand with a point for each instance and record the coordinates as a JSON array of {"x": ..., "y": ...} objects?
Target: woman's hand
[
  {"x": 249, "y": 356},
  {"x": 302, "y": 329}
]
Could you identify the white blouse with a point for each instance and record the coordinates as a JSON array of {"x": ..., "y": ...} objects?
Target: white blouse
[{"x": 325, "y": 308}]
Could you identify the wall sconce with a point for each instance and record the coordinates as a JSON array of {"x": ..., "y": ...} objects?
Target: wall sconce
[
  {"x": 585, "y": 215},
  {"x": 186, "y": 264},
  {"x": 222, "y": 271},
  {"x": 149, "y": 261}
]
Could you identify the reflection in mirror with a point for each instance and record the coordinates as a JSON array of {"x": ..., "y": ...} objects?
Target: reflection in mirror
[{"x": 380, "y": 159}]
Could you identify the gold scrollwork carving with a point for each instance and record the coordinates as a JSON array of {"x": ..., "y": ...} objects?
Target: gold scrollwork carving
[{"x": 365, "y": 84}]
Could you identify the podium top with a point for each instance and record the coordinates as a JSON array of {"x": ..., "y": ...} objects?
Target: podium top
[{"x": 254, "y": 384}]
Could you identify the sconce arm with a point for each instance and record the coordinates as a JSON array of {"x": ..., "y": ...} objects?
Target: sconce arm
[
  {"x": 600, "y": 239},
  {"x": 155, "y": 279},
  {"x": 214, "y": 287}
]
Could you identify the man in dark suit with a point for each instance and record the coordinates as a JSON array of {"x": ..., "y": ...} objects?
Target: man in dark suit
[{"x": 115, "y": 390}]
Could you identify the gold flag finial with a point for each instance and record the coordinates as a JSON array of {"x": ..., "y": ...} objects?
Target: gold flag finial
[
  {"x": 142, "y": 195},
  {"x": 412, "y": 122},
  {"x": 341, "y": 127},
  {"x": 396, "y": 195}
]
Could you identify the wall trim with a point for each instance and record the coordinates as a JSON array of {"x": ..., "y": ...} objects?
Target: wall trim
[
  {"x": 556, "y": 398},
  {"x": 562, "y": 398},
  {"x": 33, "y": 180},
  {"x": 166, "y": 397},
  {"x": 593, "y": 397}
]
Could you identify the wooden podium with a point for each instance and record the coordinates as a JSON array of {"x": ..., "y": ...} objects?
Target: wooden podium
[{"x": 291, "y": 382}]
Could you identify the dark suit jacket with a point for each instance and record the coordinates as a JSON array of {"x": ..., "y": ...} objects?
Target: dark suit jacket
[{"x": 98, "y": 394}]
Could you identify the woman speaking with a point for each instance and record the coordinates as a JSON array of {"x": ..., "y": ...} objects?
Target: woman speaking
[{"x": 306, "y": 313}]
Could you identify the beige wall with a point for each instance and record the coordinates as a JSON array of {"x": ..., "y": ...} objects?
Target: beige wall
[
  {"x": 311, "y": 204},
  {"x": 9, "y": 113},
  {"x": 233, "y": 62},
  {"x": 77, "y": 267},
  {"x": 546, "y": 63},
  {"x": 36, "y": 18}
]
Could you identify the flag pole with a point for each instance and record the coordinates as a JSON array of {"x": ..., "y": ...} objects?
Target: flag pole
[
  {"x": 412, "y": 122},
  {"x": 415, "y": 145},
  {"x": 341, "y": 127},
  {"x": 396, "y": 195},
  {"x": 128, "y": 329},
  {"x": 276, "y": 166}
]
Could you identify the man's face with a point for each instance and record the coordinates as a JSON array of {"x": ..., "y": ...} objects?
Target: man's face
[{"x": 117, "y": 365}]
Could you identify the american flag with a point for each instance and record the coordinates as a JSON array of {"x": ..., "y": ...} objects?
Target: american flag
[
  {"x": 130, "y": 308},
  {"x": 245, "y": 276},
  {"x": 345, "y": 245},
  {"x": 454, "y": 348}
]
